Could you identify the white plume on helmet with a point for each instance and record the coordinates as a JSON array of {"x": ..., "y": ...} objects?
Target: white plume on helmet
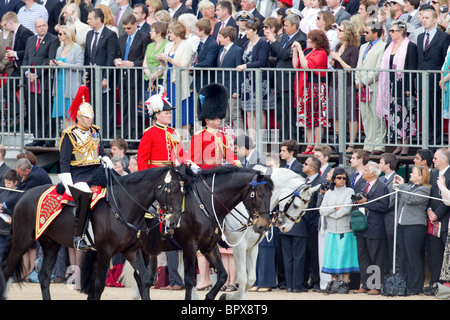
[{"x": 158, "y": 102}]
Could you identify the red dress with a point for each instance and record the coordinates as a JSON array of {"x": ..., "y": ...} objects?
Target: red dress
[
  {"x": 210, "y": 148},
  {"x": 310, "y": 90},
  {"x": 160, "y": 146}
]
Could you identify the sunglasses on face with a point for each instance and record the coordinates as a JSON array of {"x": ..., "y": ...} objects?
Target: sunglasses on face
[{"x": 341, "y": 178}]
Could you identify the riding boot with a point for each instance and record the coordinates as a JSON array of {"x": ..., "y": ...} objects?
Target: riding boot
[{"x": 83, "y": 201}]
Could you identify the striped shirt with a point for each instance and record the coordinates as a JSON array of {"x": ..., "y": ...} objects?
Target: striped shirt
[{"x": 28, "y": 17}]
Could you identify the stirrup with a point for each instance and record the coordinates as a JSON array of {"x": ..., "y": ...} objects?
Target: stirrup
[{"x": 80, "y": 244}]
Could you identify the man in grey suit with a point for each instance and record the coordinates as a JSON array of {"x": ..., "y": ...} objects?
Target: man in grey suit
[
  {"x": 339, "y": 13},
  {"x": 411, "y": 15},
  {"x": 120, "y": 10},
  {"x": 388, "y": 164},
  {"x": 40, "y": 49},
  {"x": 245, "y": 149}
]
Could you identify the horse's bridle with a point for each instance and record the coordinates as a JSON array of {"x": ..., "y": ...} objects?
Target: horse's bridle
[
  {"x": 252, "y": 191},
  {"x": 292, "y": 196}
]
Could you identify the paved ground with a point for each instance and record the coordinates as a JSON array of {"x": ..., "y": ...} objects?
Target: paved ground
[{"x": 31, "y": 291}]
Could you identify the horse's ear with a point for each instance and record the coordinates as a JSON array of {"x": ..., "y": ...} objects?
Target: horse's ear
[{"x": 182, "y": 169}]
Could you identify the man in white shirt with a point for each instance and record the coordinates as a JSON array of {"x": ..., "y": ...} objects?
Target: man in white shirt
[
  {"x": 358, "y": 161},
  {"x": 323, "y": 153}
]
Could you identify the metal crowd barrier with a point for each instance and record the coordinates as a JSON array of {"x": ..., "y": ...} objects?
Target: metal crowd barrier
[{"x": 265, "y": 108}]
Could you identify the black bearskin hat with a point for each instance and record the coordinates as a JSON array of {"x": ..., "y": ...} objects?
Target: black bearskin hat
[{"x": 212, "y": 102}]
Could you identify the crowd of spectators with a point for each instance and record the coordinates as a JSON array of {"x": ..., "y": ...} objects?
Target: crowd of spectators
[{"x": 404, "y": 36}]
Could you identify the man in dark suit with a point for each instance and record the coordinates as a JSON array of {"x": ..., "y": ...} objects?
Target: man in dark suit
[
  {"x": 281, "y": 49},
  {"x": 176, "y": 8},
  {"x": 11, "y": 6},
  {"x": 250, "y": 6},
  {"x": 54, "y": 8},
  {"x": 130, "y": 53},
  {"x": 288, "y": 152},
  {"x": 230, "y": 56},
  {"x": 32, "y": 176},
  {"x": 246, "y": 151},
  {"x": 140, "y": 12},
  {"x": 223, "y": 13},
  {"x": 371, "y": 243},
  {"x": 311, "y": 168},
  {"x": 101, "y": 50},
  {"x": 340, "y": 14},
  {"x": 358, "y": 161},
  {"x": 432, "y": 48},
  {"x": 40, "y": 49},
  {"x": 388, "y": 165},
  {"x": 206, "y": 54},
  {"x": 323, "y": 153},
  {"x": 437, "y": 212},
  {"x": 15, "y": 53}
]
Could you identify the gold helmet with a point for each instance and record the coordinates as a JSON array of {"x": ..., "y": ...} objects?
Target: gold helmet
[{"x": 80, "y": 105}]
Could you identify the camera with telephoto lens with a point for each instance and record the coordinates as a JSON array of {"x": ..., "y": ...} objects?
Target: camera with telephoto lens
[
  {"x": 443, "y": 9},
  {"x": 359, "y": 196},
  {"x": 325, "y": 185}
]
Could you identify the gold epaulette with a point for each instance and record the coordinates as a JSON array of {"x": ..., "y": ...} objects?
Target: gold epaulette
[
  {"x": 95, "y": 127},
  {"x": 67, "y": 130}
]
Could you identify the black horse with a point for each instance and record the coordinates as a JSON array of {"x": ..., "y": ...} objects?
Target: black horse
[
  {"x": 210, "y": 196},
  {"x": 118, "y": 224}
]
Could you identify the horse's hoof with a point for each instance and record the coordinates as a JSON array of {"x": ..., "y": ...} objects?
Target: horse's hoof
[{"x": 223, "y": 297}]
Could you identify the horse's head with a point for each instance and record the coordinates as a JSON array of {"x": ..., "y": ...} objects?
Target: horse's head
[
  {"x": 292, "y": 207},
  {"x": 171, "y": 194},
  {"x": 257, "y": 199}
]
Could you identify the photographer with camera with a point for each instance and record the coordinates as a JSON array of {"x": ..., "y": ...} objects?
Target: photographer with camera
[{"x": 372, "y": 248}]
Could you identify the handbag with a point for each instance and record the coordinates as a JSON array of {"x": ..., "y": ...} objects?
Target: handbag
[
  {"x": 395, "y": 285},
  {"x": 162, "y": 277},
  {"x": 358, "y": 221},
  {"x": 364, "y": 94}
]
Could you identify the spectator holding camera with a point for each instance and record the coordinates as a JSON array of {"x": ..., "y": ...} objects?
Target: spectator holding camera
[
  {"x": 371, "y": 242},
  {"x": 340, "y": 251}
]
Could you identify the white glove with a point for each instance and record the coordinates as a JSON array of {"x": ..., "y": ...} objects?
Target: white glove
[
  {"x": 66, "y": 179},
  {"x": 106, "y": 162},
  {"x": 195, "y": 168}
]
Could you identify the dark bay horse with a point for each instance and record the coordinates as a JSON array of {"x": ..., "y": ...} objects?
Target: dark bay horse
[
  {"x": 117, "y": 224},
  {"x": 210, "y": 196}
]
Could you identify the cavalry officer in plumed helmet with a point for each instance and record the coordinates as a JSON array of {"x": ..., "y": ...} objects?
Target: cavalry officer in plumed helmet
[
  {"x": 160, "y": 144},
  {"x": 81, "y": 152},
  {"x": 210, "y": 147}
]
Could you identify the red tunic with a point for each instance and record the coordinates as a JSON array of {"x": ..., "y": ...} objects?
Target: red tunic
[
  {"x": 210, "y": 148},
  {"x": 160, "y": 146}
]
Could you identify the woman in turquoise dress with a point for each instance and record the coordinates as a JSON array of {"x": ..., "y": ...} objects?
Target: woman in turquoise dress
[
  {"x": 68, "y": 80},
  {"x": 340, "y": 255}
]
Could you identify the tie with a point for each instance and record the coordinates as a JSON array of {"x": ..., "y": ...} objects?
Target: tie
[
  {"x": 409, "y": 18},
  {"x": 138, "y": 26},
  {"x": 307, "y": 180},
  {"x": 6, "y": 3},
  {"x": 366, "y": 189},
  {"x": 38, "y": 44},
  {"x": 245, "y": 162},
  {"x": 127, "y": 48},
  {"x": 287, "y": 166},
  {"x": 427, "y": 42},
  {"x": 258, "y": 7},
  {"x": 287, "y": 40},
  {"x": 116, "y": 20},
  {"x": 354, "y": 179},
  {"x": 368, "y": 49},
  {"x": 200, "y": 45},
  {"x": 94, "y": 48},
  {"x": 221, "y": 27},
  {"x": 223, "y": 56},
  {"x": 385, "y": 180}
]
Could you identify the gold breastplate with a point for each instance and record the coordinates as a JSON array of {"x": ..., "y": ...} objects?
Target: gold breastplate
[{"x": 85, "y": 146}]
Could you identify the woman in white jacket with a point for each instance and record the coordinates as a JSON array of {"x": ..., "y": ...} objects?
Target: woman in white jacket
[{"x": 340, "y": 252}]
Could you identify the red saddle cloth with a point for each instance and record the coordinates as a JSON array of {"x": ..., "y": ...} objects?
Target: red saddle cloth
[{"x": 51, "y": 203}]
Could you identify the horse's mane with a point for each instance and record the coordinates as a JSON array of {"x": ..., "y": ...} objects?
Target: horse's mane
[
  {"x": 143, "y": 175},
  {"x": 287, "y": 177},
  {"x": 226, "y": 169}
]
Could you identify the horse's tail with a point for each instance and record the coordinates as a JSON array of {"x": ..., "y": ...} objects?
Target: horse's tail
[
  {"x": 152, "y": 242},
  {"x": 19, "y": 269},
  {"x": 88, "y": 272}
]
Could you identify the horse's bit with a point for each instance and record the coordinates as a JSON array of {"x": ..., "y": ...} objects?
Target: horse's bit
[{"x": 292, "y": 196}]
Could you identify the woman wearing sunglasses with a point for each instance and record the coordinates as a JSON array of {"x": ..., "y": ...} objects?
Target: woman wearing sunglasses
[{"x": 340, "y": 252}]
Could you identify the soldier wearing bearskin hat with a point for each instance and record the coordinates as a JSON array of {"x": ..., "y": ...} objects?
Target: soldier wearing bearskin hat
[
  {"x": 81, "y": 152},
  {"x": 160, "y": 144},
  {"x": 210, "y": 147}
]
